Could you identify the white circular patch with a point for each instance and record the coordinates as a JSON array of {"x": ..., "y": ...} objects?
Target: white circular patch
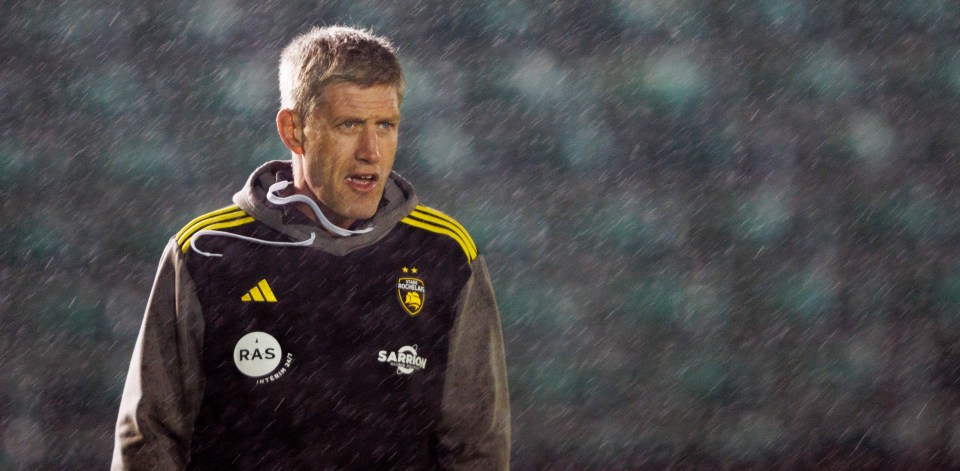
[{"x": 257, "y": 354}]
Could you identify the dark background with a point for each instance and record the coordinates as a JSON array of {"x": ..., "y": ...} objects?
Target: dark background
[{"x": 722, "y": 234}]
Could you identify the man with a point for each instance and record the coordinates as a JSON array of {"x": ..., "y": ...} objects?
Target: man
[{"x": 326, "y": 319}]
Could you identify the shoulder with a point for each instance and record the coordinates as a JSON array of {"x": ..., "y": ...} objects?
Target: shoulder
[
  {"x": 224, "y": 218},
  {"x": 431, "y": 220}
]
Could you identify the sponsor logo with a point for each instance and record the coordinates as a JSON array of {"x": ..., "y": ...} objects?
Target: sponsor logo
[
  {"x": 259, "y": 355},
  {"x": 260, "y": 294},
  {"x": 405, "y": 359},
  {"x": 411, "y": 292}
]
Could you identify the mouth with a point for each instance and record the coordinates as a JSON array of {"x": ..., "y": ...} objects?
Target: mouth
[{"x": 362, "y": 182}]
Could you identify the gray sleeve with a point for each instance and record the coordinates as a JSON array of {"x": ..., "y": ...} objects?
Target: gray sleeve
[
  {"x": 474, "y": 430},
  {"x": 165, "y": 381}
]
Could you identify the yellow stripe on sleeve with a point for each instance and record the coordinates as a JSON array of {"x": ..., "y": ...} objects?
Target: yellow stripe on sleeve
[
  {"x": 256, "y": 294},
  {"x": 446, "y": 229},
  {"x": 207, "y": 222},
  {"x": 447, "y": 222},
  {"x": 441, "y": 230},
  {"x": 452, "y": 221},
  {"x": 223, "y": 225},
  {"x": 200, "y": 218}
]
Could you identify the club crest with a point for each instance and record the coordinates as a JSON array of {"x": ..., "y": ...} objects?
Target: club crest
[{"x": 412, "y": 294}]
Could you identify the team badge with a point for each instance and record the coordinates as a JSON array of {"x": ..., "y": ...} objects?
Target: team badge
[{"x": 411, "y": 292}]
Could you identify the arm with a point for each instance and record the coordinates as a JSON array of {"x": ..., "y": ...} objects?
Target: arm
[
  {"x": 165, "y": 381},
  {"x": 474, "y": 430}
]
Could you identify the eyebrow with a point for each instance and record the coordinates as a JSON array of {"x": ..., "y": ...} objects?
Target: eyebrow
[{"x": 345, "y": 118}]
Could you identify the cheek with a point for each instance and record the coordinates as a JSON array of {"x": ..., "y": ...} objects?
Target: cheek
[
  {"x": 388, "y": 147},
  {"x": 321, "y": 160}
]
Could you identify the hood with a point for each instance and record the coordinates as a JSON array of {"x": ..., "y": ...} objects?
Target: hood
[{"x": 397, "y": 202}]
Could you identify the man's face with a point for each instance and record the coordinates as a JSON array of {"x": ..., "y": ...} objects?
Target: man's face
[{"x": 349, "y": 143}]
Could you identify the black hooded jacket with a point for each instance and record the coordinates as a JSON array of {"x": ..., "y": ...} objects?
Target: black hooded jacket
[{"x": 270, "y": 344}]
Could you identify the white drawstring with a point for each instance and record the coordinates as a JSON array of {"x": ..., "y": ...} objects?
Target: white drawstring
[
  {"x": 203, "y": 232},
  {"x": 279, "y": 200},
  {"x": 329, "y": 226}
]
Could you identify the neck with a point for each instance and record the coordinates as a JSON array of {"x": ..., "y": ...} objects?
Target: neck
[{"x": 335, "y": 219}]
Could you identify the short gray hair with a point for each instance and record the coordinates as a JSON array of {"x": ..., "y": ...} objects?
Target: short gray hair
[{"x": 335, "y": 54}]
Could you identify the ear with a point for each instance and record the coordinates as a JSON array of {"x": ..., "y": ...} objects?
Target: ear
[{"x": 291, "y": 130}]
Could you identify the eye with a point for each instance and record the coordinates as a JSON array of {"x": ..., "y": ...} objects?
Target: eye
[
  {"x": 349, "y": 124},
  {"x": 386, "y": 125}
]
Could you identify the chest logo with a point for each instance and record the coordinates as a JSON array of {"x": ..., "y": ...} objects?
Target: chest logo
[
  {"x": 259, "y": 355},
  {"x": 412, "y": 294},
  {"x": 259, "y": 294},
  {"x": 405, "y": 359}
]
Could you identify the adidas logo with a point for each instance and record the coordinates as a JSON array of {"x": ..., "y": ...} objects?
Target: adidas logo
[{"x": 260, "y": 294}]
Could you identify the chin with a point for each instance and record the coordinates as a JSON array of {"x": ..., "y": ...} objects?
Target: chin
[
  {"x": 365, "y": 215},
  {"x": 366, "y": 209},
  {"x": 359, "y": 214}
]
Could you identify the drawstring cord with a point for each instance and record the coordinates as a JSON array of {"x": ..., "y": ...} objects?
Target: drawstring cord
[
  {"x": 279, "y": 200},
  {"x": 329, "y": 226},
  {"x": 205, "y": 232}
]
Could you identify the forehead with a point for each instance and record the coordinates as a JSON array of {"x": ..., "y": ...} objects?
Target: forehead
[{"x": 379, "y": 101}]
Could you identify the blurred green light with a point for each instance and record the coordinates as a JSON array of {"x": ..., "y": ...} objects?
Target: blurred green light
[
  {"x": 934, "y": 14},
  {"x": 539, "y": 78},
  {"x": 753, "y": 436},
  {"x": 114, "y": 87},
  {"x": 871, "y": 139},
  {"x": 444, "y": 150},
  {"x": 658, "y": 300},
  {"x": 674, "y": 15},
  {"x": 143, "y": 161},
  {"x": 587, "y": 142},
  {"x": 807, "y": 294},
  {"x": 675, "y": 79},
  {"x": 765, "y": 214},
  {"x": 783, "y": 13},
  {"x": 249, "y": 86},
  {"x": 828, "y": 73},
  {"x": 14, "y": 166},
  {"x": 214, "y": 19}
]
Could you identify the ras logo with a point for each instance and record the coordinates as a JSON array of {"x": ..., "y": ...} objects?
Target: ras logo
[
  {"x": 405, "y": 359},
  {"x": 258, "y": 355},
  {"x": 412, "y": 294}
]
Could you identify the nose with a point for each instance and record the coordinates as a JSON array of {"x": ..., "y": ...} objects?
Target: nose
[{"x": 368, "y": 149}]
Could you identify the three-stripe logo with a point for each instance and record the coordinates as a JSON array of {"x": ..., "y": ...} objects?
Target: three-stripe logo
[{"x": 260, "y": 294}]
